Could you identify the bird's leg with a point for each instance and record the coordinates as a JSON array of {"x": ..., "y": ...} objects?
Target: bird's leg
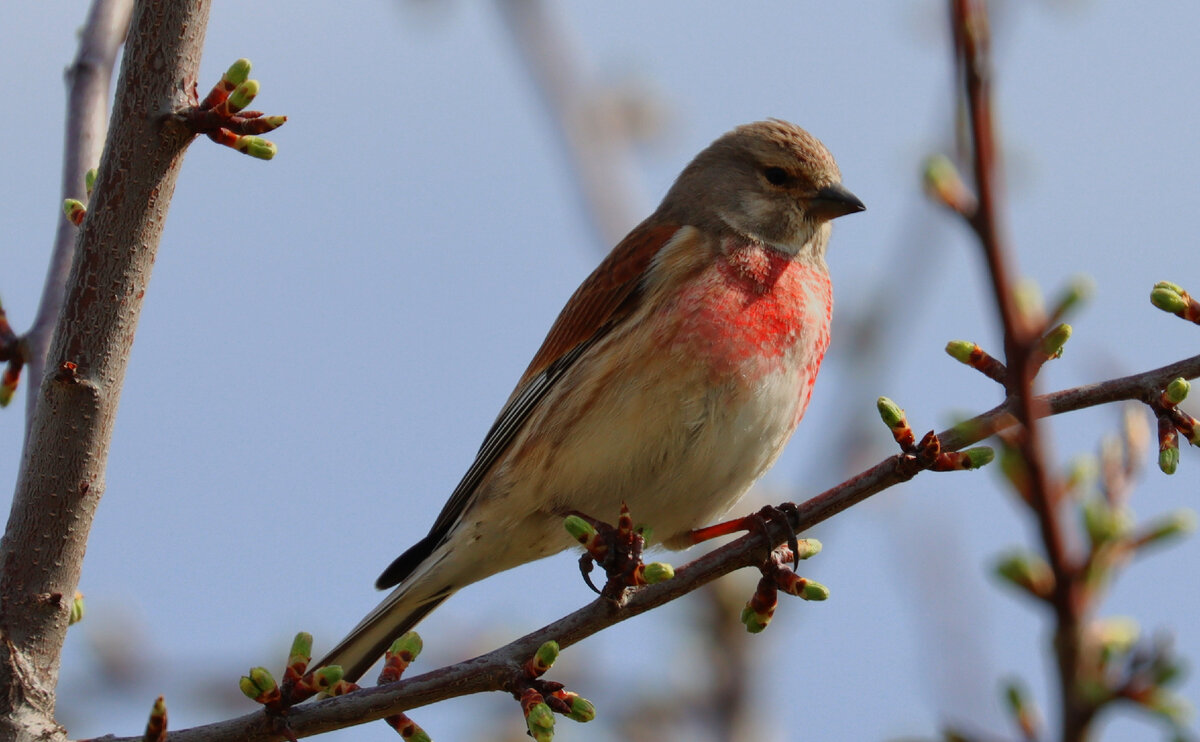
[
  {"x": 757, "y": 522},
  {"x": 618, "y": 550}
]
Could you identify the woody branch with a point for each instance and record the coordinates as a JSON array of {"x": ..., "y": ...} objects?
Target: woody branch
[
  {"x": 61, "y": 477},
  {"x": 492, "y": 671}
]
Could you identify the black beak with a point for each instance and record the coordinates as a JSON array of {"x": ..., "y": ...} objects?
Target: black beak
[{"x": 833, "y": 201}]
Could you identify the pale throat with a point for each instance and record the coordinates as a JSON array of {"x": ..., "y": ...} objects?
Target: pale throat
[{"x": 804, "y": 236}]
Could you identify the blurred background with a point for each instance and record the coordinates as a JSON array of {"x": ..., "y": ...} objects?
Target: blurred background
[{"x": 328, "y": 336}]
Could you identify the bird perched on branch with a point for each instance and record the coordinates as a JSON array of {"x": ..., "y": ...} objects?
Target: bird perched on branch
[{"x": 670, "y": 381}]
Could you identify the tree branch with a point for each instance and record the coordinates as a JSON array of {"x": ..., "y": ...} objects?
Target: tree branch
[
  {"x": 62, "y": 468},
  {"x": 1021, "y": 335},
  {"x": 88, "y": 82},
  {"x": 492, "y": 671}
]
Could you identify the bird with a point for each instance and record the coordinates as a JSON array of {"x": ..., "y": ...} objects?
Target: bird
[{"x": 670, "y": 381}]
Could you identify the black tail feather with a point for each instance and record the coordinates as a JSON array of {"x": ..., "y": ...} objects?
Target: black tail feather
[
  {"x": 404, "y": 564},
  {"x": 356, "y": 666}
]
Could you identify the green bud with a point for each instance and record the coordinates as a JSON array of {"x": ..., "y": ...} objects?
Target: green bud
[
  {"x": 1177, "y": 390},
  {"x": 419, "y": 735},
  {"x": 1027, "y": 571},
  {"x": 275, "y": 121},
  {"x": 890, "y": 412},
  {"x": 580, "y": 529},
  {"x": 1168, "y": 299},
  {"x": 646, "y": 532},
  {"x": 582, "y": 710},
  {"x": 978, "y": 456},
  {"x": 1168, "y": 459},
  {"x": 1079, "y": 290},
  {"x": 409, "y": 642},
  {"x": 1054, "y": 340},
  {"x": 939, "y": 171},
  {"x": 256, "y": 147},
  {"x": 814, "y": 591},
  {"x": 238, "y": 72},
  {"x": 1179, "y": 523},
  {"x": 1082, "y": 472},
  {"x": 546, "y": 655},
  {"x": 328, "y": 676},
  {"x": 1117, "y": 634},
  {"x": 1170, "y": 706},
  {"x": 809, "y": 547},
  {"x": 541, "y": 715},
  {"x": 243, "y": 95},
  {"x": 754, "y": 621},
  {"x": 656, "y": 572},
  {"x": 1103, "y": 522},
  {"x": 258, "y": 683},
  {"x": 961, "y": 350},
  {"x": 1170, "y": 287},
  {"x": 943, "y": 182},
  {"x": 74, "y": 210},
  {"x": 76, "y": 609},
  {"x": 248, "y": 688},
  {"x": 540, "y": 721},
  {"x": 301, "y": 650},
  {"x": 89, "y": 181}
]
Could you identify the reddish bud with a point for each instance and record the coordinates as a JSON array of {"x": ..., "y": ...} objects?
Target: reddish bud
[{"x": 156, "y": 727}]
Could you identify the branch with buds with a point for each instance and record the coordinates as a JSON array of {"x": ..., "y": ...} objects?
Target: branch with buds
[
  {"x": 1103, "y": 652},
  {"x": 222, "y": 117},
  {"x": 494, "y": 671},
  {"x": 1093, "y": 669},
  {"x": 84, "y": 335}
]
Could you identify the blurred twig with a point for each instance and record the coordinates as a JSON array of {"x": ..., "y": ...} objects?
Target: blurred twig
[
  {"x": 597, "y": 130},
  {"x": 1022, "y": 333}
]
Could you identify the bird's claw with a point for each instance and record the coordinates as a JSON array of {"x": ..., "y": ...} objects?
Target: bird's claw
[
  {"x": 586, "y": 563},
  {"x": 618, "y": 550}
]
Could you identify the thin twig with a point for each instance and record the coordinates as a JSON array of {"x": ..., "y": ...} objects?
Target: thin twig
[
  {"x": 89, "y": 80},
  {"x": 491, "y": 671}
]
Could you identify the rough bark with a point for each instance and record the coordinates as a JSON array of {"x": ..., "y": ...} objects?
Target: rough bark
[
  {"x": 62, "y": 469},
  {"x": 88, "y": 87}
]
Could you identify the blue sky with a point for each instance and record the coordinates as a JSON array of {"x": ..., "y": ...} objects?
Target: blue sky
[{"x": 327, "y": 337}]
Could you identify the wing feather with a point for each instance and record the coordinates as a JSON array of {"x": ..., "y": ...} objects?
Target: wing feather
[{"x": 597, "y": 299}]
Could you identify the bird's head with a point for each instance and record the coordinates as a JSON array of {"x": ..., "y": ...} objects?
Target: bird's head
[{"x": 770, "y": 181}]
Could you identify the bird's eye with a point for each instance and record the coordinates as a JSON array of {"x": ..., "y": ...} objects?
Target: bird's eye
[{"x": 776, "y": 176}]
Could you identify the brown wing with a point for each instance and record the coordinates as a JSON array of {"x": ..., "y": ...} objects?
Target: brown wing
[
  {"x": 595, "y": 307},
  {"x": 593, "y": 304}
]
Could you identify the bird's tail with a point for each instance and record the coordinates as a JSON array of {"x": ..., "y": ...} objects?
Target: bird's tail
[{"x": 367, "y": 642}]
